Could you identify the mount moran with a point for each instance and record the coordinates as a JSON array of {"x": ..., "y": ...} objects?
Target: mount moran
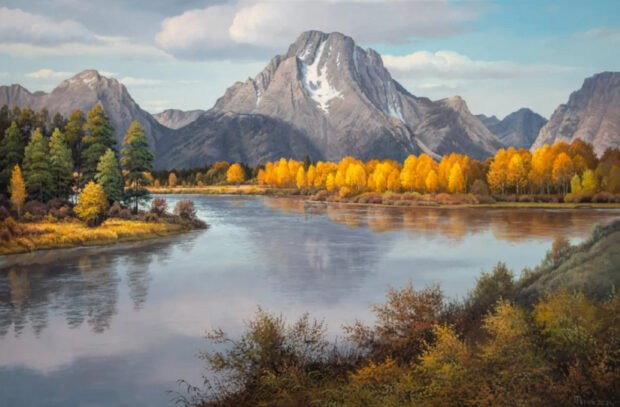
[{"x": 328, "y": 98}]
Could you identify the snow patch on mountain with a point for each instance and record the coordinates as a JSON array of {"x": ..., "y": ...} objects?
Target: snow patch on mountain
[{"x": 315, "y": 80}]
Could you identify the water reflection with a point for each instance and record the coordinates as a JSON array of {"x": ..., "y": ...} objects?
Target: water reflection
[
  {"x": 508, "y": 224},
  {"x": 82, "y": 285}
]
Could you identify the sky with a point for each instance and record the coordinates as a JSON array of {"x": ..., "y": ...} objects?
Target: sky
[{"x": 498, "y": 55}]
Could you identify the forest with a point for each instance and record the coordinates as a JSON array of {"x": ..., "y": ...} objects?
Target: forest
[
  {"x": 561, "y": 172},
  {"x": 46, "y": 165},
  {"x": 504, "y": 344}
]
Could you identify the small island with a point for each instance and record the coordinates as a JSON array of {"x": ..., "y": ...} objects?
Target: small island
[{"x": 82, "y": 165}]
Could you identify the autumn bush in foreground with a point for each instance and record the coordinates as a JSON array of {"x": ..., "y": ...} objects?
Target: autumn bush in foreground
[{"x": 495, "y": 348}]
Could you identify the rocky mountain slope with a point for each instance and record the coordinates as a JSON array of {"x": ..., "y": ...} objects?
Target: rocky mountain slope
[
  {"x": 343, "y": 101},
  {"x": 592, "y": 113},
  {"x": 519, "y": 129},
  {"x": 175, "y": 119},
  {"x": 83, "y": 91}
]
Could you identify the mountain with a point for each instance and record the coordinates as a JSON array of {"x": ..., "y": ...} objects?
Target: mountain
[
  {"x": 175, "y": 119},
  {"x": 592, "y": 114},
  {"x": 342, "y": 101},
  {"x": 236, "y": 138},
  {"x": 519, "y": 129},
  {"x": 488, "y": 120},
  {"x": 83, "y": 91}
]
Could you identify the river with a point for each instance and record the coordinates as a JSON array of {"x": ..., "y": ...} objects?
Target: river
[{"x": 118, "y": 325}]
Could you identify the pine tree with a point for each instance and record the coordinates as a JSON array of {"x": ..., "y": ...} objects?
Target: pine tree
[
  {"x": 37, "y": 173},
  {"x": 61, "y": 165},
  {"x": 74, "y": 133},
  {"x": 17, "y": 188},
  {"x": 109, "y": 176},
  {"x": 98, "y": 137},
  {"x": 136, "y": 160},
  {"x": 11, "y": 153}
]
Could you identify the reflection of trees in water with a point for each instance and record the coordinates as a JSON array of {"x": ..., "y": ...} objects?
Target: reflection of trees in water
[
  {"x": 138, "y": 278},
  {"x": 81, "y": 285},
  {"x": 513, "y": 225}
]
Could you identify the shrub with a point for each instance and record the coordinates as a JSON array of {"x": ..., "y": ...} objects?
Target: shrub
[
  {"x": 151, "y": 217},
  {"x": 4, "y": 213},
  {"x": 159, "y": 206},
  {"x": 479, "y": 187},
  {"x": 603, "y": 197},
  {"x": 185, "y": 209},
  {"x": 55, "y": 203},
  {"x": 36, "y": 209},
  {"x": 63, "y": 212},
  {"x": 115, "y": 210},
  {"x": 125, "y": 214}
]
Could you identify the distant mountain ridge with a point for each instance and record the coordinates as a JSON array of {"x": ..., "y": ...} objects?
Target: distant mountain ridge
[
  {"x": 518, "y": 129},
  {"x": 175, "y": 118},
  {"x": 83, "y": 91},
  {"x": 592, "y": 114}
]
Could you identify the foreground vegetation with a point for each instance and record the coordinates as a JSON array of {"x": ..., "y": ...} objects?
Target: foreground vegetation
[
  {"x": 511, "y": 342},
  {"x": 56, "y": 228}
]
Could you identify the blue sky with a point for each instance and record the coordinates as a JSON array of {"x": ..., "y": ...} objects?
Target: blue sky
[{"x": 498, "y": 55}]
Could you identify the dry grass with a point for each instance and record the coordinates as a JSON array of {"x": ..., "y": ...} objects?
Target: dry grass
[
  {"x": 247, "y": 189},
  {"x": 53, "y": 235}
]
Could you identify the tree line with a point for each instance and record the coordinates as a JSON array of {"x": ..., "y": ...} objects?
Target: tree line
[
  {"x": 42, "y": 159},
  {"x": 572, "y": 171}
]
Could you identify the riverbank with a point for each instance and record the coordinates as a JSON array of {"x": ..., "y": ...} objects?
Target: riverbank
[
  {"x": 43, "y": 235},
  {"x": 388, "y": 199}
]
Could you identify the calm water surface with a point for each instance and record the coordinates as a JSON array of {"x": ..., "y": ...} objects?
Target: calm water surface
[{"x": 117, "y": 326}]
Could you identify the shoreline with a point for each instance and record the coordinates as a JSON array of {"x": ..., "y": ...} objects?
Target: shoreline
[
  {"x": 291, "y": 193},
  {"x": 53, "y": 236}
]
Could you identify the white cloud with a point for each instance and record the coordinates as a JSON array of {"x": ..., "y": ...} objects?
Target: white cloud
[
  {"x": 25, "y": 34},
  {"x": 22, "y": 27},
  {"x": 254, "y": 26},
  {"x": 48, "y": 74},
  {"x": 452, "y": 65},
  {"x": 605, "y": 33}
]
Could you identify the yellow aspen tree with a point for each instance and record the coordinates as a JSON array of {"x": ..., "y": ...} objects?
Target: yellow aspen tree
[
  {"x": 235, "y": 174},
  {"x": 172, "y": 179},
  {"x": 260, "y": 177},
  {"x": 17, "y": 188},
  {"x": 456, "y": 181},
  {"x": 431, "y": 182},
  {"x": 575, "y": 184},
  {"x": 563, "y": 170},
  {"x": 300, "y": 179},
  {"x": 393, "y": 181},
  {"x": 589, "y": 184},
  {"x": 92, "y": 204},
  {"x": 311, "y": 175},
  {"x": 330, "y": 183}
]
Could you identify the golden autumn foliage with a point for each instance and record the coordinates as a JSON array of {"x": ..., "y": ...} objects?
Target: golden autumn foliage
[
  {"x": 52, "y": 235},
  {"x": 235, "y": 174},
  {"x": 512, "y": 172},
  {"x": 17, "y": 188},
  {"x": 92, "y": 204}
]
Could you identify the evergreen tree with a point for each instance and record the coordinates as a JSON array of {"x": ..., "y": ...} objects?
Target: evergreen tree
[
  {"x": 109, "y": 176},
  {"x": 74, "y": 133},
  {"x": 11, "y": 153},
  {"x": 61, "y": 165},
  {"x": 17, "y": 188},
  {"x": 98, "y": 137},
  {"x": 39, "y": 182},
  {"x": 136, "y": 160}
]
